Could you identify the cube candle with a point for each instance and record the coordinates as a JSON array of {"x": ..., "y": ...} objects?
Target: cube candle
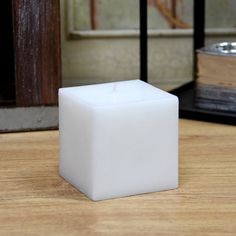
[{"x": 118, "y": 139}]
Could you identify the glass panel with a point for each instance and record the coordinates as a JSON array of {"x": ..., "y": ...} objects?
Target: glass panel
[
  {"x": 106, "y": 14},
  {"x": 220, "y": 14},
  {"x": 170, "y": 56},
  {"x": 220, "y": 17},
  {"x": 216, "y": 63},
  {"x": 165, "y": 14}
]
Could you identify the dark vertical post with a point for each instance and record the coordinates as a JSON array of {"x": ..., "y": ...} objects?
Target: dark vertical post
[
  {"x": 37, "y": 51},
  {"x": 7, "y": 88},
  {"x": 199, "y": 28},
  {"x": 143, "y": 40}
]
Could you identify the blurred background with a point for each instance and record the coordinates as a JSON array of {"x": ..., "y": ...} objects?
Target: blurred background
[
  {"x": 100, "y": 39},
  {"x": 54, "y": 43}
]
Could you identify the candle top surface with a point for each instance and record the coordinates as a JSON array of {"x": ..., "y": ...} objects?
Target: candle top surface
[{"x": 116, "y": 93}]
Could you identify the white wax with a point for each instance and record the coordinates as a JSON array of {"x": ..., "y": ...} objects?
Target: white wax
[{"x": 118, "y": 139}]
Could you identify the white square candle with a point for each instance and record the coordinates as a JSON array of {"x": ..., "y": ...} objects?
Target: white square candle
[{"x": 118, "y": 139}]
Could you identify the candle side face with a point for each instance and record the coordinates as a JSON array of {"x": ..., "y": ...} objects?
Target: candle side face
[
  {"x": 137, "y": 152},
  {"x": 116, "y": 93},
  {"x": 75, "y": 121}
]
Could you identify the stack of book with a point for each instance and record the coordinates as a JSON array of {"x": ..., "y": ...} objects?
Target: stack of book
[{"x": 216, "y": 77}]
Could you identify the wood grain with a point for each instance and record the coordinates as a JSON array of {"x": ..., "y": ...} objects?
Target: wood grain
[
  {"x": 216, "y": 70},
  {"x": 37, "y": 51},
  {"x": 34, "y": 200}
]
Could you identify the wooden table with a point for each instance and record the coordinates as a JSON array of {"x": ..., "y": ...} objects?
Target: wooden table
[{"x": 34, "y": 200}]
